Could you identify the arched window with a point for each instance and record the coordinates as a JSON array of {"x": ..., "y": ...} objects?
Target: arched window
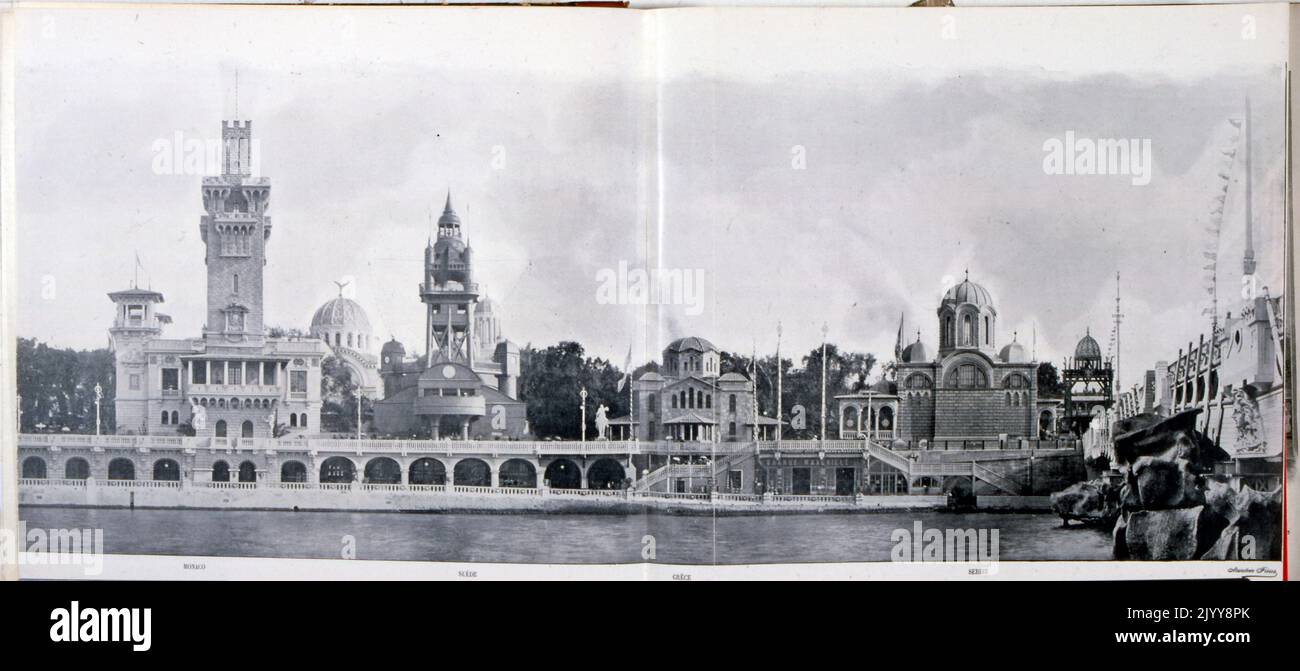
[
  {"x": 221, "y": 472},
  {"x": 731, "y": 403},
  {"x": 246, "y": 430},
  {"x": 34, "y": 468},
  {"x": 175, "y": 417},
  {"x": 302, "y": 420},
  {"x": 293, "y": 420},
  {"x": 708, "y": 401},
  {"x": 221, "y": 428},
  {"x": 338, "y": 339},
  {"x": 948, "y": 335},
  {"x": 673, "y": 401},
  {"x": 76, "y": 468},
  {"x": 652, "y": 403},
  {"x": 349, "y": 340},
  {"x": 165, "y": 416},
  {"x": 986, "y": 330},
  {"x": 967, "y": 330}
]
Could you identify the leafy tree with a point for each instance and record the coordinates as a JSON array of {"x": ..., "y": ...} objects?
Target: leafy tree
[
  {"x": 57, "y": 387},
  {"x": 338, "y": 399},
  {"x": 551, "y": 380},
  {"x": 1049, "y": 381}
]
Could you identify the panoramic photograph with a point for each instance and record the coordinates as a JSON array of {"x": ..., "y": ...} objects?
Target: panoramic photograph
[{"x": 621, "y": 292}]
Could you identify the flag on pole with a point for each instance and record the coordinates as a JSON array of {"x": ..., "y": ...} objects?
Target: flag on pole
[
  {"x": 898, "y": 342},
  {"x": 627, "y": 369}
]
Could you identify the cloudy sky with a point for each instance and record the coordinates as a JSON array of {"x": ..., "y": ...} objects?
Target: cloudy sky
[{"x": 827, "y": 168}]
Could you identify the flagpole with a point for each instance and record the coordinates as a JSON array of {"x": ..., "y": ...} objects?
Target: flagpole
[
  {"x": 780, "y": 411},
  {"x": 821, "y": 421}
]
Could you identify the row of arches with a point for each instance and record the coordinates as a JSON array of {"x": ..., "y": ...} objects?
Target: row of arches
[
  {"x": 559, "y": 474},
  {"x": 604, "y": 473},
  {"x": 237, "y": 404},
  {"x": 120, "y": 468}
]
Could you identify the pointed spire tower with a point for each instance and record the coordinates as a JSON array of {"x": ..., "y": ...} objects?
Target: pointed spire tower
[{"x": 450, "y": 292}]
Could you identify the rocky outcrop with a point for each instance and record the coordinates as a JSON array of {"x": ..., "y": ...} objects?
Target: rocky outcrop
[{"x": 1170, "y": 507}]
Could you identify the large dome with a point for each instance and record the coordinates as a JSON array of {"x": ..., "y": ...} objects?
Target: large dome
[
  {"x": 340, "y": 314},
  {"x": 1088, "y": 349},
  {"x": 968, "y": 292},
  {"x": 341, "y": 322},
  {"x": 1014, "y": 352},
  {"x": 915, "y": 353},
  {"x": 691, "y": 343}
]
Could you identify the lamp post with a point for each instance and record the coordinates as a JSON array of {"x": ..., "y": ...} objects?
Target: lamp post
[
  {"x": 821, "y": 420},
  {"x": 99, "y": 395},
  {"x": 582, "y": 428},
  {"x": 358, "y": 395}
]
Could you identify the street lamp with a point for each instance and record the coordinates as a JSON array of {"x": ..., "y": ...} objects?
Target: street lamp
[
  {"x": 99, "y": 395},
  {"x": 582, "y": 428},
  {"x": 358, "y": 395}
]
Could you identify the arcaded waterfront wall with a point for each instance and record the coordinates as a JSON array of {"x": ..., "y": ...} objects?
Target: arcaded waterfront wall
[{"x": 273, "y": 498}]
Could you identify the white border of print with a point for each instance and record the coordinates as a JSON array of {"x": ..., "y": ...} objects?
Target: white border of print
[{"x": 162, "y": 567}]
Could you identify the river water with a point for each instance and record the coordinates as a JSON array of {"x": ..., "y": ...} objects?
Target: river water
[{"x": 557, "y": 539}]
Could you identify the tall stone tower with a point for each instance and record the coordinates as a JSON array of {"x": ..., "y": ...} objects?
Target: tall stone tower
[
  {"x": 235, "y": 228},
  {"x": 450, "y": 293}
]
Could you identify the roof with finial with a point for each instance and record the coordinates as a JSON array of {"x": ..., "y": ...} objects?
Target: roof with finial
[
  {"x": 449, "y": 222},
  {"x": 1088, "y": 348},
  {"x": 915, "y": 353},
  {"x": 340, "y": 314},
  {"x": 968, "y": 292},
  {"x": 1013, "y": 352}
]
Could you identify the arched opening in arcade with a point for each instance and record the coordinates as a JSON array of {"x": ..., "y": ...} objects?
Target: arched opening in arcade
[
  {"x": 563, "y": 474},
  {"x": 1046, "y": 428},
  {"x": 427, "y": 471},
  {"x": 605, "y": 474},
  {"x": 221, "y": 472},
  {"x": 293, "y": 471},
  {"x": 472, "y": 473},
  {"x": 247, "y": 472},
  {"x": 383, "y": 471},
  {"x": 34, "y": 468},
  {"x": 121, "y": 469},
  {"x": 337, "y": 470},
  {"x": 517, "y": 473},
  {"x": 166, "y": 470},
  {"x": 76, "y": 469}
]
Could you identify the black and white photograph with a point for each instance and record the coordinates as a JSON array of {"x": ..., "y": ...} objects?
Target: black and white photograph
[{"x": 615, "y": 294}]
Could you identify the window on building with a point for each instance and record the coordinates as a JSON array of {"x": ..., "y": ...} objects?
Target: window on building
[
  {"x": 171, "y": 379},
  {"x": 731, "y": 403},
  {"x": 134, "y": 315},
  {"x": 175, "y": 417},
  {"x": 236, "y": 374},
  {"x": 674, "y": 401},
  {"x": 298, "y": 381},
  {"x": 338, "y": 339},
  {"x": 199, "y": 372},
  {"x": 218, "y": 372},
  {"x": 253, "y": 369},
  {"x": 986, "y": 331},
  {"x": 134, "y": 381},
  {"x": 293, "y": 420},
  {"x": 302, "y": 421},
  {"x": 268, "y": 373},
  {"x": 652, "y": 403},
  {"x": 236, "y": 282},
  {"x": 349, "y": 340},
  {"x": 165, "y": 417},
  {"x": 731, "y": 429},
  {"x": 708, "y": 401}
]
